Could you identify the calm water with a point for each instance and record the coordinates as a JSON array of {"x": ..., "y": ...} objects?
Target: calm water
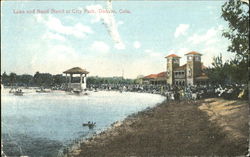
[{"x": 39, "y": 124}]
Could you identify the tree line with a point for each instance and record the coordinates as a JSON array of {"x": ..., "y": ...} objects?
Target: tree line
[
  {"x": 38, "y": 79},
  {"x": 236, "y": 14},
  {"x": 49, "y": 80}
]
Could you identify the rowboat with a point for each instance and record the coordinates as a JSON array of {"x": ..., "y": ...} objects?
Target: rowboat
[
  {"x": 90, "y": 125},
  {"x": 18, "y": 93},
  {"x": 43, "y": 91}
]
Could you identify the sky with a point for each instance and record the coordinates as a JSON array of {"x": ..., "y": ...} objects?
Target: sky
[{"x": 108, "y": 38}]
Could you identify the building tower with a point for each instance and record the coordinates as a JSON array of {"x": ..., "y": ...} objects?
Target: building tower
[
  {"x": 193, "y": 67},
  {"x": 173, "y": 61}
]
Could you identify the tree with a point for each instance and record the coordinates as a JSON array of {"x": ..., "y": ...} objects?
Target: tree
[
  {"x": 236, "y": 13},
  {"x": 58, "y": 79},
  {"x": 43, "y": 79},
  {"x": 37, "y": 79},
  {"x": 25, "y": 79},
  {"x": 227, "y": 72},
  {"x": 5, "y": 79},
  {"x": 13, "y": 78},
  {"x": 218, "y": 73}
]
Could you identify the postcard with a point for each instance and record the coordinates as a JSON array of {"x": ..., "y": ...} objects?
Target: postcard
[{"x": 115, "y": 78}]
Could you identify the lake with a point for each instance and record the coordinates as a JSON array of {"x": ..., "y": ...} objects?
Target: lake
[{"x": 41, "y": 124}]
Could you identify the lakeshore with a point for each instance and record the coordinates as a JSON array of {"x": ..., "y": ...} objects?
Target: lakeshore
[{"x": 206, "y": 127}]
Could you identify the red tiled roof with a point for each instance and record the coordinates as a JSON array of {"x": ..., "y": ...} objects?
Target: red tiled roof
[
  {"x": 172, "y": 55},
  {"x": 162, "y": 74},
  {"x": 193, "y": 53},
  {"x": 153, "y": 76}
]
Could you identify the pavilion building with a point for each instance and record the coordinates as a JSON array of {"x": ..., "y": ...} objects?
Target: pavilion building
[
  {"x": 81, "y": 84},
  {"x": 191, "y": 73}
]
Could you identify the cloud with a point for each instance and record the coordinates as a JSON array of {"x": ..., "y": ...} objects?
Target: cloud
[
  {"x": 208, "y": 42},
  {"x": 59, "y": 56},
  {"x": 50, "y": 35},
  {"x": 99, "y": 46},
  {"x": 137, "y": 44},
  {"x": 181, "y": 30},
  {"x": 109, "y": 22},
  {"x": 212, "y": 51},
  {"x": 208, "y": 38},
  {"x": 54, "y": 24}
]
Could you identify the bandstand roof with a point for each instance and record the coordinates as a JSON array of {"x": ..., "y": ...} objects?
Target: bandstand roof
[{"x": 76, "y": 70}]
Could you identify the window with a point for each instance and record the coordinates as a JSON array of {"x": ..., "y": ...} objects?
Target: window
[
  {"x": 189, "y": 72},
  {"x": 190, "y": 58},
  {"x": 197, "y": 58}
]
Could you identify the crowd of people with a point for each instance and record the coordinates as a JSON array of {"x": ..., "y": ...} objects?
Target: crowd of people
[{"x": 235, "y": 91}]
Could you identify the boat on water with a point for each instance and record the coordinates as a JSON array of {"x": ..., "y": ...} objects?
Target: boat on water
[
  {"x": 19, "y": 92},
  {"x": 91, "y": 125},
  {"x": 43, "y": 91},
  {"x": 39, "y": 91},
  {"x": 77, "y": 91}
]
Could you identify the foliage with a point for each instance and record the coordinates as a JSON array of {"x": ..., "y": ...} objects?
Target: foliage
[
  {"x": 5, "y": 78},
  {"x": 108, "y": 80},
  {"x": 49, "y": 80},
  {"x": 12, "y": 78},
  {"x": 43, "y": 79},
  {"x": 24, "y": 79},
  {"x": 228, "y": 72},
  {"x": 218, "y": 73},
  {"x": 236, "y": 13},
  {"x": 58, "y": 79}
]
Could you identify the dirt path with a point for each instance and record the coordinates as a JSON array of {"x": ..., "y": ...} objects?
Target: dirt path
[
  {"x": 232, "y": 116},
  {"x": 179, "y": 129}
]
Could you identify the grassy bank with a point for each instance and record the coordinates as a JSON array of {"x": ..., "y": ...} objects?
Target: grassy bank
[{"x": 171, "y": 128}]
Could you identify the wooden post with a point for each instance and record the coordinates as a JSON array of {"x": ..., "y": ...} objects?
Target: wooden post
[
  {"x": 70, "y": 77},
  {"x": 85, "y": 81},
  {"x": 66, "y": 81},
  {"x": 81, "y": 82}
]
